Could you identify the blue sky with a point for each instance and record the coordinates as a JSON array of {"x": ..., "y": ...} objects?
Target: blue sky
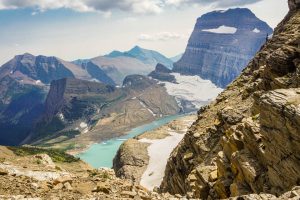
[{"x": 72, "y": 29}]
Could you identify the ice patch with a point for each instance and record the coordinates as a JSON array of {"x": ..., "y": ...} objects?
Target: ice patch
[
  {"x": 193, "y": 89},
  {"x": 256, "y": 30},
  {"x": 38, "y": 82},
  {"x": 222, "y": 29}
]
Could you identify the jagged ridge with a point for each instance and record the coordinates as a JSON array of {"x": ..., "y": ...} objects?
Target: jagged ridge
[{"x": 247, "y": 141}]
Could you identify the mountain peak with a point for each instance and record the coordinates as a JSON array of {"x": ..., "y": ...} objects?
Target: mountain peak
[{"x": 136, "y": 49}]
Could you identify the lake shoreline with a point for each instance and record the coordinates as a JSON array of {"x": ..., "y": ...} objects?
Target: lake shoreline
[{"x": 85, "y": 152}]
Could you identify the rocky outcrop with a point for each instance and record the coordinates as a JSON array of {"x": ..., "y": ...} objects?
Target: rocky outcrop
[
  {"x": 132, "y": 158},
  {"x": 162, "y": 73},
  {"x": 222, "y": 44},
  {"x": 247, "y": 141},
  {"x": 294, "y": 4}
]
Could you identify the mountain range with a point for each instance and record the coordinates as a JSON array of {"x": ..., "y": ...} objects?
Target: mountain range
[
  {"x": 25, "y": 84},
  {"x": 117, "y": 65},
  {"x": 53, "y": 102}
]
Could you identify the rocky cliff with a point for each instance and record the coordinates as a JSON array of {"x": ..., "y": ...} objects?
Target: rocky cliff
[
  {"x": 162, "y": 73},
  {"x": 20, "y": 106},
  {"x": 247, "y": 141},
  {"x": 78, "y": 110},
  {"x": 222, "y": 44}
]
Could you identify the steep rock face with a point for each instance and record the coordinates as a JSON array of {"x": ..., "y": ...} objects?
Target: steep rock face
[
  {"x": 94, "y": 111},
  {"x": 20, "y": 106},
  {"x": 247, "y": 141},
  {"x": 162, "y": 73},
  {"x": 222, "y": 44}
]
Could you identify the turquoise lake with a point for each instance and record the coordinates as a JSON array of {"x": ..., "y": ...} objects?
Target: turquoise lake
[{"x": 102, "y": 154}]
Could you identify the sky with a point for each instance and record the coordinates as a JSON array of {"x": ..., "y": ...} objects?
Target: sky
[{"x": 79, "y": 29}]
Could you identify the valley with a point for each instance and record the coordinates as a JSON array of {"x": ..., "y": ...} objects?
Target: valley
[{"x": 219, "y": 121}]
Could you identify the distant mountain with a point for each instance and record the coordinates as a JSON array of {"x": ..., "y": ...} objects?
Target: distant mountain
[
  {"x": 30, "y": 69},
  {"x": 162, "y": 73},
  {"x": 24, "y": 84},
  {"x": 146, "y": 56},
  {"x": 117, "y": 68},
  {"x": 176, "y": 58},
  {"x": 74, "y": 107},
  {"x": 222, "y": 44}
]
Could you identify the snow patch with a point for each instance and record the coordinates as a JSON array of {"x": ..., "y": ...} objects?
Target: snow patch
[
  {"x": 83, "y": 125},
  {"x": 159, "y": 152},
  {"x": 151, "y": 112},
  {"x": 222, "y": 29},
  {"x": 193, "y": 89},
  {"x": 61, "y": 116},
  {"x": 148, "y": 109},
  {"x": 38, "y": 82},
  {"x": 256, "y": 30}
]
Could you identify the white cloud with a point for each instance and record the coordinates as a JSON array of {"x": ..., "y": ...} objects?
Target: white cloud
[
  {"x": 162, "y": 36},
  {"x": 106, "y": 6},
  {"x": 135, "y": 6},
  {"x": 215, "y": 3}
]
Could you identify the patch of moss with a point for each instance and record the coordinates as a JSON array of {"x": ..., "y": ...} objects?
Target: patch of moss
[{"x": 56, "y": 155}]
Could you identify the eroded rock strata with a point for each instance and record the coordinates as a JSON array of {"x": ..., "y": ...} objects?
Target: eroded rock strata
[
  {"x": 222, "y": 44},
  {"x": 247, "y": 141}
]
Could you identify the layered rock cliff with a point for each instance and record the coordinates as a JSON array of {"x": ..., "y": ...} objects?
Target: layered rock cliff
[
  {"x": 222, "y": 44},
  {"x": 247, "y": 141}
]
